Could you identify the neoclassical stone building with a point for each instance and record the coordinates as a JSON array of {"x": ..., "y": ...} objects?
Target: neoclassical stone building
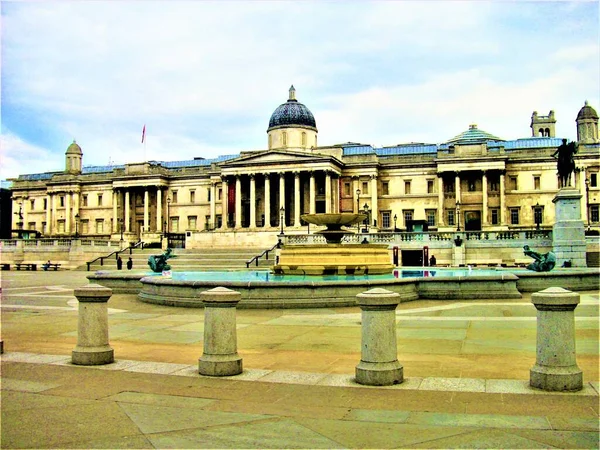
[{"x": 474, "y": 181}]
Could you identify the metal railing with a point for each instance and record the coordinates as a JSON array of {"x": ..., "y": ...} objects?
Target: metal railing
[
  {"x": 257, "y": 257},
  {"x": 117, "y": 252}
]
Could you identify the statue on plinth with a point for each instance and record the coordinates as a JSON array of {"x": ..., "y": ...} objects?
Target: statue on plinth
[
  {"x": 543, "y": 262},
  {"x": 158, "y": 263},
  {"x": 565, "y": 161}
]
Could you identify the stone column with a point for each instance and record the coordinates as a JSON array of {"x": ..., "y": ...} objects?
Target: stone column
[
  {"x": 555, "y": 368},
  {"x": 115, "y": 222},
  {"x": 68, "y": 218},
  {"x": 126, "y": 206},
  {"x": 328, "y": 192},
  {"x": 281, "y": 192},
  {"x": 502, "y": 201},
  {"x": 379, "y": 364},
  {"x": 159, "y": 218},
  {"x": 252, "y": 201},
  {"x": 267, "y": 201},
  {"x": 220, "y": 357},
  {"x": 224, "y": 202},
  {"x": 146, "y": 210},
  {"x": 213, "y": 204},
  {"x": 355, "y": 188},
  {"x": 53, "y": 223},
  {"x": 296, "y": 199},
  {"x": 441, "y": 218},
  {"x": 312, "y": 200},
  {"x": 238, "y": 201},
  {"x": 374, "y": 209},
  {"x": 457, "y": 186},
  {"x": 49, "y": 204},
  {"x": 484, "y": 188},
  {"x": 92, "y": 327}
]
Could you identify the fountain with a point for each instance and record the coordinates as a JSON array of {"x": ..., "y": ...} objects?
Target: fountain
[{"x": 334, "y": 258}]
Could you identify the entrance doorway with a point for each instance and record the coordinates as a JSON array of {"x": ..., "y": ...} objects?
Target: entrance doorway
[
  {"x": 412, "y": 258},
  {"x": 472, "y": 220}
]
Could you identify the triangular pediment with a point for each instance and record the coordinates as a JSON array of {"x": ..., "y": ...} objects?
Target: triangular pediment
[{"x": 276, "y": 157}]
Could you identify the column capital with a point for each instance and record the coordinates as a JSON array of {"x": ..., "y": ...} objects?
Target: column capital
[{"x": 373, "y": 177}]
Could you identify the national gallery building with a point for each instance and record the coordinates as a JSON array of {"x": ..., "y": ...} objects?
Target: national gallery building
[{"x": 473, "y": 182}]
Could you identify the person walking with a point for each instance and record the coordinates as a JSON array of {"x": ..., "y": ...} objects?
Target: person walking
[
  {"x": 119, "y": 263},
  {"x": 129, "y": 263}
]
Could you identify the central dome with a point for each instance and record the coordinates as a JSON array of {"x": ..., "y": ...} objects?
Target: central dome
[{"x": 292, "y": 113}]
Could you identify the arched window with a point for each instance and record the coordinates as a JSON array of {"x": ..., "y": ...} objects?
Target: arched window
[
  {"x": 547, "y": 132},
  {"x": 541, "y": 132}
]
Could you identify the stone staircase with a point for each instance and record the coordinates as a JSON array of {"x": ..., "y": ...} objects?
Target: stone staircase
[{"x": 205, "y": 259}]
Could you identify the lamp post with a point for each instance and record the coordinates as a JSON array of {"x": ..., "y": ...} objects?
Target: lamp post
[
  {"x": 395, "y": 220},
  {"x": 168, "y": 213},
  {"x": 587, "y": 200},
  {"x": 358, "y": 207},
  {"x": 281, "y": 217},
  {"x": 76, "y": 225},
  {"x": 457, "y": 216},
  {"x": 121, "y": 227},
  {"x": 366, "y": 222}
]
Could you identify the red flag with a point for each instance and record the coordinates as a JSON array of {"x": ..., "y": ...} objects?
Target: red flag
[{"x": 143, "y": 133}]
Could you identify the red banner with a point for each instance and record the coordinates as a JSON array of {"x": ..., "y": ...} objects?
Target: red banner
[{"x": 231, "y": 198}]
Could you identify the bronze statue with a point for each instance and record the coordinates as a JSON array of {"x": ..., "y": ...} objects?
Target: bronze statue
[
  {"x": 158, "y": 263},
  {"x": 566, "y": 161},
  {"x": 542, "y": 263}
]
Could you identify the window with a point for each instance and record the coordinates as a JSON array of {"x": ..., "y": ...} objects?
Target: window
[
  {"x": 431, "y": 216},
  {"x": 430, "y": 186},
  {"x": 208, "y": 194},
  {"x": 192, "y": 196},
  {"x": 495, "y": 216},
  {"x": 536, "y": 182},
  {"x": 99, "y": 199},
  {"x": 594, "y": 214},
  {"x": 385, "y": 188},
  {"x": 220, "y": 194},
  {"x": 512, "y": 183},
  {"x": 32, "y": 205},
  {"x": 284, "y": 138},
  {"x": 31, "y": 226},
  {"x": 450, "y": 216},
  {"x": 304, "y": 139},
  {"x": 593, "y": 179},
  {"x": 44, "y": 229},
  {"x": 45, "y": 204},
  {"x": 408, "y": 215},
  {"x": 174, "y": 196},
  {"x": 538, "y": 215},
  {"x": 347, "y": 189},
  {"x": 385, "y": 219},
  {"x": 85, "y": 226},
  {"x": 99, "y": 226},
  {"x": 192, "y": 222},
  {"x": 514, "y": 216},
  {"x": 407, "y": 187},
  {"x": 471, "y": 185},
  {"x": 84, "y": 200},
  {"x": 449, "y": 186},
  {"x": 61, "y": 200},
  {"x": 174, "y": 224},
  {"x": 494, "y": 185},
  {"x": 365, "y": 187},
  {"x": 61, "y": 225}
]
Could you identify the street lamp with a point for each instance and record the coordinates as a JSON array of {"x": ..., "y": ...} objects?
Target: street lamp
[
  {"x": 76, "y": 225},
  {"x": 168, "y": 214},
  {"x": 395, "y": 220},
  {"x": 121, "y": 227},
  {"x": 281, "y": 217},
  {"x": 358, "y": 207},
  {"x": 366, "y": 208},
  {"x": 457, "y": 216},
  {"x": 587, "y": 200}
]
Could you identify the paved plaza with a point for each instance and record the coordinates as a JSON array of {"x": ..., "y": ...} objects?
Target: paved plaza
[{"x": 466, "y": 369}]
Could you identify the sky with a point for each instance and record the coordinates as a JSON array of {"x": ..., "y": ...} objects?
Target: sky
[{"x": 204, "y": 77}]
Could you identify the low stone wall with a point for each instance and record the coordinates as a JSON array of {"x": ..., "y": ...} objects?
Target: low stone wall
[
  {"x": 571, "y": 279},
  {"x": 471, "y": 287}
]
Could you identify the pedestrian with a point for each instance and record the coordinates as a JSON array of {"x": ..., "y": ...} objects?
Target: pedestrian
[
  {"x": 119, "y": 263},
  {"x": 129, "y": 263},
  {"x": 432, "y": 261}
]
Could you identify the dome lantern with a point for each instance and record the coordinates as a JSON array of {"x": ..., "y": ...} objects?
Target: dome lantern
[{"x": 292, "y": 125}]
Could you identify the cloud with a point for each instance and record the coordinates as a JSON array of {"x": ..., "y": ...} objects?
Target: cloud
[{"x": 19, "y": 157}]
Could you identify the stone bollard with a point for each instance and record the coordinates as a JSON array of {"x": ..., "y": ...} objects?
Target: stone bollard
[
  {"x": 92, "y": 326},
  {"x": 220, "y": 357},
  {"x": 379, "y": 364},
  {"x": 555, "y": 368}
]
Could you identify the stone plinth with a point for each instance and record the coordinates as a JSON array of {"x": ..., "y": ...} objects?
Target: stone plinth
[
  {"x": 556, "y": 367},
  {"x": 92, "y": 326},
  {"x": 379, "y": 364},
  {"x": 220, "y": 357},
  {"x": 568, "y": 232}
]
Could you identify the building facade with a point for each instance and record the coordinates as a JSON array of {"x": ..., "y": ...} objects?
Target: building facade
[{"x": 473, "y": 182}]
